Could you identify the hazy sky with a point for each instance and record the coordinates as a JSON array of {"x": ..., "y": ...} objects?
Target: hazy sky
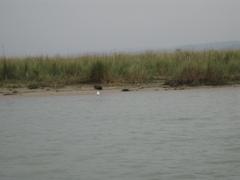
[{"x": 33, "y": 27}]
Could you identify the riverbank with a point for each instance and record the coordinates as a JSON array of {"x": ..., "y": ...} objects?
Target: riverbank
[
  {"x": 174, "y": 69},
  {"x": 79, "y": 90},
  {"x": 90, "y": 90}
]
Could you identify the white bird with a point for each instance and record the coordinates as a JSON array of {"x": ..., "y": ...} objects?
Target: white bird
[{"x": 98, "y": 93}]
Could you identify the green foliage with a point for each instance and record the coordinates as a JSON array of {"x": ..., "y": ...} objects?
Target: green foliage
[
  {"x": 176, "y": 68},
  {"x": 97, "y": 72}
]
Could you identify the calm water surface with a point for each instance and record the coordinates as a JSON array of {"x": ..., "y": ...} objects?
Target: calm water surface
[{"x": 190, "y": 134}]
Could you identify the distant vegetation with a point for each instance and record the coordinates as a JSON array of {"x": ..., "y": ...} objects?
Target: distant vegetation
[{"x": 174, "y": 69}]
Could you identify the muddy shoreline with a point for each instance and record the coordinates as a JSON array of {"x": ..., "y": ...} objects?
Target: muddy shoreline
[{"x": 91, "y": 90}]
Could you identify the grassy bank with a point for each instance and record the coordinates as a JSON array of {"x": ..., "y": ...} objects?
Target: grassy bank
[{"x": 174, "y": 69}]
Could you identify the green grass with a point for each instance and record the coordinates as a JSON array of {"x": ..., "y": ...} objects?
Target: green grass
[{"x": 176, "y": 68}]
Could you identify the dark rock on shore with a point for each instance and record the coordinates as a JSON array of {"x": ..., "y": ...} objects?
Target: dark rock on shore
[
  {"x": 125, "y": 90},
  {"x": 98, "y": 87}
]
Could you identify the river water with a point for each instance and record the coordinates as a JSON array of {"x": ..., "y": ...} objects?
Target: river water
[{"x": 145, "y": 135}]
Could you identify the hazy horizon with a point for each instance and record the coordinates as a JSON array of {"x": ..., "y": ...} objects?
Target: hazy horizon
[{"x": 45, "y": 27}]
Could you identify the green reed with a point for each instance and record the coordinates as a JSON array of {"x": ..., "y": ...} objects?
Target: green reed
[{"x": 172, "y": 68}]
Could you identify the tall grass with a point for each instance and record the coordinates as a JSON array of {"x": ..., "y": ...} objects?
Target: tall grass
[{"x": 176, "y": 68}]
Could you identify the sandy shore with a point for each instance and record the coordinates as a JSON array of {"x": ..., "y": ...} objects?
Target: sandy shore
[
  {"x": 89, "y": 90},
  {"x": 72, "y": 90}
]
